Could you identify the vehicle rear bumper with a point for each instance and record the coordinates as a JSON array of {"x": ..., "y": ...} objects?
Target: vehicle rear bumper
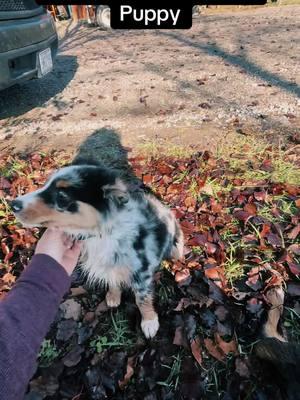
[{"x": 21, "y": 64}]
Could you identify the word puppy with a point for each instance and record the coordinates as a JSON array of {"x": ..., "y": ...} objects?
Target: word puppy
[{"x": 126, "y": 233}]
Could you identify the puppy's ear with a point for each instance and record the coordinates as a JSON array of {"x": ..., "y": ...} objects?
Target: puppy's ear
[{"x": 116, "y": 192}]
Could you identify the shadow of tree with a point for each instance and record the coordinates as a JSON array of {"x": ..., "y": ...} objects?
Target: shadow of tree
[
  {"x": 240, "y": 61},
  {"x": 19, "y": 99},
  {"x": 80, "y": 34}
]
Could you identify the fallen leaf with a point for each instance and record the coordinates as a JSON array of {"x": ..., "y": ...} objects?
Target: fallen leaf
[
  {"x": 129, "y": 373},
  {"x": 102, "y": 307},
  {"x": 294, "y": 232},
  {"x": 78, "y": 291},
  {"x": 226, "y": 347},
  {"x": 196, "y": 350},
  {"x": 73, "y": 357},
  {"x": 242, "y": 367},
  {"x": 250, "y": 208},
  {"x": 4, "y": 183},
  {"x": 213, "y": 350},
  {"x": 179, "y": 339},
  {"x": 71, "y": 309},
  {"x": 294, "y": 268},
  {"x": 66, "y": 329}
]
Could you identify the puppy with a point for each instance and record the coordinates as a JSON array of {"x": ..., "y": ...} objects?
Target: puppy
[{"x": 127, "y": 233}]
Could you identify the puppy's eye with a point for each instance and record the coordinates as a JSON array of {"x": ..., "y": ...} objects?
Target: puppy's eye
[{"x": 63, "y": 200}]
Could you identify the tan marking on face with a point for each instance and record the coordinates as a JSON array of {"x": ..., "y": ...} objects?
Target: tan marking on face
[
  {"x": 62, "y": 184},
  {"x": 146, "y": 308},
  {"x": 38, "y": 213}
]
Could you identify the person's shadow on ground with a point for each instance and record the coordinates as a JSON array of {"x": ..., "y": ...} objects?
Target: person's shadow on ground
[{"x": 19, "y": 99}]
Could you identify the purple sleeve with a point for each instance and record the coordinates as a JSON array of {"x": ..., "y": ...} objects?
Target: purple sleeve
[{"x": 26, "y": 314}]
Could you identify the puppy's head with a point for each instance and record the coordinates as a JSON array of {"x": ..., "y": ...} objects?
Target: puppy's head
[{"x": 75, "y": 197}]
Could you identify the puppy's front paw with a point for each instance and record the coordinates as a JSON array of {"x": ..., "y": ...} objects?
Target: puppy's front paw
[
  {"x": 113, "y": 298},
  {"x": 150, "y": 327}
]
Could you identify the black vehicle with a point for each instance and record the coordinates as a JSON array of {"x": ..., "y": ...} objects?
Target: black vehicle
[{"x": 28, "y": 41}]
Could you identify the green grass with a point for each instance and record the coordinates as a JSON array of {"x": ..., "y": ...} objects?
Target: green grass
[
  {"x": 197, "y": 250},
  {"x": 13, "y": 167},
  {"x": 245, "y": 155},
  {"x": 283, "y": 172},
  {"x": 166, "y": 289},
  {"x": 234, "y": 269},
  {"x": 48, "y": 353},
  {"x": 181, "y": 177},
  {"x": 194, "y": 189},
  {"x": 285, "y": 206},
  {"x": 292, "y": 324},
  {"x": 173, "y": 379},
  {"x": 117, "y": 335},
  {"x": 152, "y": 149}
]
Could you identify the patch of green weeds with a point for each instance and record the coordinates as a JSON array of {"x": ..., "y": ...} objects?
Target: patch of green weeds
[
  {"x": 197, "y": 250},
  {"x": 152, "y": 149},
  {"x": 234, "y": 269},
  {"x": 6, "y": 213},
  {"x": 194, "y": 189},
  {"x": 173, "y": 379},
  {"x": 244, "y": 155},
  {"x": 165, "y": 291},
  {"x": 118, "y": 334},
  {"x": 13, "y": 167},
  {"x": 292, "y": 324},
  {"x": 181, "y": 177},
  {"x": 48, "y": 353}
]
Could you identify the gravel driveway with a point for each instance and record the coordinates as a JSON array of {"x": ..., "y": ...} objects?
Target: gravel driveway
[{"x": 234, "y": 72}]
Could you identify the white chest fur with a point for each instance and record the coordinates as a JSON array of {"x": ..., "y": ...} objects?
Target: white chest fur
[{"x": 105, "y": 259}]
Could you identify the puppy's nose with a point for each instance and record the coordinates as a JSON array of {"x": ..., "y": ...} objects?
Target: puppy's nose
[{"x": 16, "y": 205}]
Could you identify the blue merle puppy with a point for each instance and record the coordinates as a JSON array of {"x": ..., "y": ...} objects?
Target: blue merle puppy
[{"x": 126, "y": 233}]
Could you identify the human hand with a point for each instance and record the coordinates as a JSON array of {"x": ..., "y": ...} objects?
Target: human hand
[{"x": 61, "y": 247}]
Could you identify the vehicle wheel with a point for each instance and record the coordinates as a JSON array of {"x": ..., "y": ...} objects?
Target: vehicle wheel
[{"x": 103, "y": 17}]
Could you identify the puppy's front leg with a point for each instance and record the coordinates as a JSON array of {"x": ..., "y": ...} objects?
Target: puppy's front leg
[
  {"x": 149, "y": 324},
  {"x": 113, "y": 296}
]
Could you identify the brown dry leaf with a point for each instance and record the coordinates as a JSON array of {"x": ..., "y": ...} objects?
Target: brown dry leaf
[
  {"x": 241, "y": 215},
  {"x": 71, "y": 309},
  {"x": 190, "y": 201},
  {"x": 184, "y": 302},
  {"x": 73, "y": 357},
  {"x": 242, "y": 368},
  {"x": 8, "y": 278},
  {"x": 213, "y": 350},
  {"x": 129, "y": 373},
  {"x": 251, "y": 208},
  {"x": 147, "y": 179},
  {"x": 182, "y": 275},
  {"x": 226, "y": 347},
  {"x": 275, "y": 298},
  {"x": 179, "y": 339},
  {"x": 187, "y": 227},
  {"x": 102, "y": 307},
  {"x": 213, "y": 273},
  {"x": 4, "y": 183},
  {"x": 294, "y": 232},
  {"x": 196, "y": 350},
  {"x": 77, "y": 291}
]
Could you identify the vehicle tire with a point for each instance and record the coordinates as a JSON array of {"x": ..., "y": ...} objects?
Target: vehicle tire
[{"x": 103, "y": 17}]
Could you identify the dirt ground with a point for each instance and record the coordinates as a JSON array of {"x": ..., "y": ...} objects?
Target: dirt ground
[{"x": 231, "y": 73}]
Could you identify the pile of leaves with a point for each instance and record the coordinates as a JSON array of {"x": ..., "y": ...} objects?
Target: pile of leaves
[{"x": 242, "y": 232}]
